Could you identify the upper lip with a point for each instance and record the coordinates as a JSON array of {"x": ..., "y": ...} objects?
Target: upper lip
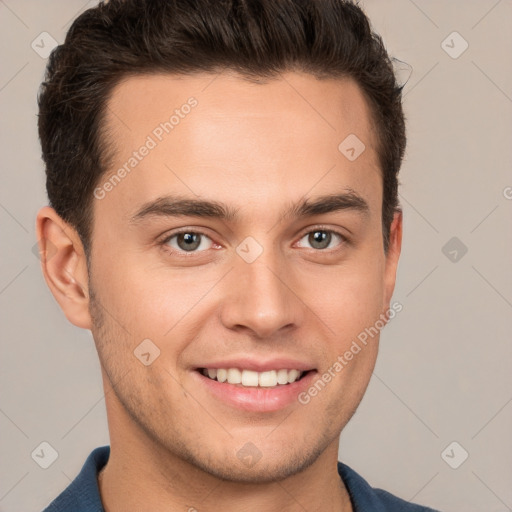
[{"x": 260, "y": 365}]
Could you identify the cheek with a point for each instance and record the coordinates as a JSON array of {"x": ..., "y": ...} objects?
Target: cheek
[
  {"x": 160, "y": 304},
  {"x": 347, "y": 299}
]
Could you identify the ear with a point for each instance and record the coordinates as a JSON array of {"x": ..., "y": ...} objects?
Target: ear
[
  {"x": 64, "y": 266},
  {"x": 392, "y": 257}
]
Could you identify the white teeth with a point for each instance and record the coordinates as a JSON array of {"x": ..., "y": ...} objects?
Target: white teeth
[
  {"x": 234, "y": 376},
  {"x": 293, "y": 375},
  {"x": 268, "y": 379},
  {"x": 250, "y": 378},
  {"x": 282, "y": 376}
]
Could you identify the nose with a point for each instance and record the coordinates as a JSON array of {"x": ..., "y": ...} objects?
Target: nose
[{"x": 261, "y": 298}]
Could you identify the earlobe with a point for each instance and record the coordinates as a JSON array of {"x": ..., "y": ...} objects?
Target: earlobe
[
  {"x": 392, "y": 257},
  {"x": 64, "y": 265}
]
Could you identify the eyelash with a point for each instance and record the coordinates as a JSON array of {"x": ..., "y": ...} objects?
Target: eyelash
[{"x": 184, "y": 254}]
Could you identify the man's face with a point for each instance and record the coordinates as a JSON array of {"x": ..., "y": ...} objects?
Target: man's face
[{"x": 259, "y": 290}]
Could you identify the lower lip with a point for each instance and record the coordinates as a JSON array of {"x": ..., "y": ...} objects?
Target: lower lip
[{"x": 256, "y": 399}]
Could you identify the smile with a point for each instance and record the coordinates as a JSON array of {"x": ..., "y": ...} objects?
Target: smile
[
  {"x": 250, "y": 378},
  {"x": 251, "y": 390}
]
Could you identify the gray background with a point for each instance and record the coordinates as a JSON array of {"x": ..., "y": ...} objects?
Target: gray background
[{"x": 443, "y": 372}]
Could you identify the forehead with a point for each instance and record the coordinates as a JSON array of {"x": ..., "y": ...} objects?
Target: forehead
[
  {"x": 221, "y": 134},
  {"x": 298, "y": 102}
]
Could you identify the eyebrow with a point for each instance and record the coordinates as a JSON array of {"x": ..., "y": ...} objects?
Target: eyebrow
[{"x": 178, "y": 206}]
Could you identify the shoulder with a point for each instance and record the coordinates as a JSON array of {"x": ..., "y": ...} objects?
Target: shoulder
[
  {"x": 364, "y": 497},
  {"x": 82, "y": 494}
]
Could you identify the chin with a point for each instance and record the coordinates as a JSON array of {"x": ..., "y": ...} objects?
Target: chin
[{"x": 254, "y": 467}]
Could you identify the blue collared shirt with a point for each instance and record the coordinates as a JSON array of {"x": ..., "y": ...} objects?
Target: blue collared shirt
[{"x": 83, "y": 495}]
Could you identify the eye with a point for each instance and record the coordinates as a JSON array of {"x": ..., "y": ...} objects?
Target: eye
[
  {"x": 321, "y": 238},
  {"x": 187, "y": 241}
]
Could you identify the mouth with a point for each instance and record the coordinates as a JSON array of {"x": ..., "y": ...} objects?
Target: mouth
[
  {"x": 266, "y": 391},
  {"x": 252, "y": 379}
]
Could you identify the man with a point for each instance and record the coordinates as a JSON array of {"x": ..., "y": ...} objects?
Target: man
[{"x": 223, "y": 217}]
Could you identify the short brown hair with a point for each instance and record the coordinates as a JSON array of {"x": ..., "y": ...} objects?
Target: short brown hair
[{"x": 256, "y": 38}]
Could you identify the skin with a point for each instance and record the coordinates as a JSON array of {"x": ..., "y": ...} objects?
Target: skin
[{"x": 258, "y": 148}]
